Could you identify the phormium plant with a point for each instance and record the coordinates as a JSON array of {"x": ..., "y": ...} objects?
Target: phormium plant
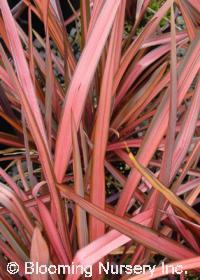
[{"x": 100, "y": 164}]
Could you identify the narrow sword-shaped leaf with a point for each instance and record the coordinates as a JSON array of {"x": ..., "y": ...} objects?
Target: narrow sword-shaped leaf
[
  {"x": 39, "y": 254},
  {"x": 173, "y": 199},
  {"x": 171, "y": 132},
  {"x": 101, "y": 131},
  {"x": 166, "y": 165},
  {"x": 80, "y": 83},
  {"x": 81, "y": 218},
  {"x": 52, "y": 232}
]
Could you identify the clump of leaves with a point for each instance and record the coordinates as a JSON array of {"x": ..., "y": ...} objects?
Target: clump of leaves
[{"x": 106, "y": 166}]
